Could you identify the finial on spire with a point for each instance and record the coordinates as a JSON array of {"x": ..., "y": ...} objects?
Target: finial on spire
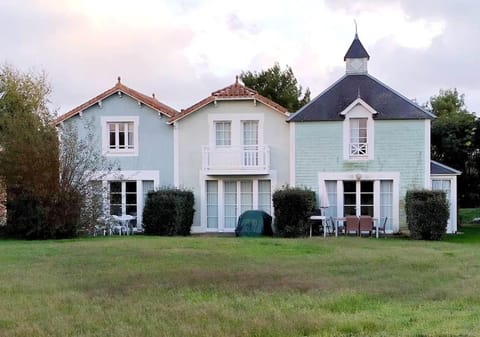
[
  {"x": 119, "y": 79},
  {"x": 356, "y": 31},
  {"x": 236, "y": 79},
  {"x": 358, "y": 93},
  {"x": 153, "y": 95}
]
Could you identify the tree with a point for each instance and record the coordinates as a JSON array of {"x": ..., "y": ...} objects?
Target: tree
[
  {"x": 279, "y": 85},
  {"x": 29, "y": 155},
  {"x": 454, "y": 140},
  {"x": 29, "y": 160},
  {"x": 82, "y": 167}
]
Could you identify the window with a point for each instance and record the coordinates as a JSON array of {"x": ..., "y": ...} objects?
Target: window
[
  {"x": 120, "y": 136},
  {"x": 250, "y": 143},
  {"x": 358, "y": 197},
  {"x": 265, "y": 196},
  {"x": 250, "y": 133},
  {"x": 223, "y": 133},
  {"x": 226, "y": 200},
  {"x": 123, "y": 198},
  {"x": 358, "y": 137},
  {"x": 331, "y": 186},
  {"x": 386, "y": 203},
  {"x": 212, "y": 204},
  {"x": 230, "y": 207}
]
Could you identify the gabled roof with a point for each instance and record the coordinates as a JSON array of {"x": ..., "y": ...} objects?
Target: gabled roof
[
  {"x": 388, "y": 103},
  {"x": 151, "y": 102},
  {"x": 437, "y": 168},
  {"x": 235, "y": 91},
  {"x": 356, "y": 50}
]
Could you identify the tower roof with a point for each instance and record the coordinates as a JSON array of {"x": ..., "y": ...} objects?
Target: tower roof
[{"x": 356, "y": 50}]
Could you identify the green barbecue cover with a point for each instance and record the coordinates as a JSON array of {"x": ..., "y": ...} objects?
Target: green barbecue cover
[{"x": 254, "y": 223}]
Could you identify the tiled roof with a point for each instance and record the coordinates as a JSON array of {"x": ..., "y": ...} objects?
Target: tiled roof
[
  {"x": 438, "y": 168},
  {"x": 151, "y": 102},
  {"x": 231, "y": 92},
  {"x": 388, "y": 103},
  {"x": 356, "y": 50}
]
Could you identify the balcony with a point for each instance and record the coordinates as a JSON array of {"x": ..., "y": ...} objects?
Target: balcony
[{"x": 236, "y": 160}]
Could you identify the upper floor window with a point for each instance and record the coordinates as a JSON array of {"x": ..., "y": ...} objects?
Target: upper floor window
[
  {"x": 358, "y": 137},
  {"x": 120, "y": 135},
  {"x": 250, "y": 132},
  {"x": 223, "y": 133}
]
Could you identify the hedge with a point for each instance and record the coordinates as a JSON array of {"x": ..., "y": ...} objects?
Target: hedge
[
  {"x": 168, "y": 211},
  {"x": 293, "y": 207},
  {"x": 427, "y": 214}
]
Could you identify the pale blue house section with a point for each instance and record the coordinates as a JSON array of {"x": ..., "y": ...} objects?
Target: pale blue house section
[
  {"x": 399, "y": 147},
  {"x": 155, "y": 135}
]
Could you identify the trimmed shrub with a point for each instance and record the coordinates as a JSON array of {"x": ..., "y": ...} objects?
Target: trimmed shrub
[
  {"x": 168, "y": 212},
  {"x": 293, "y": 206},
  {"x": 427, "y": 214}
]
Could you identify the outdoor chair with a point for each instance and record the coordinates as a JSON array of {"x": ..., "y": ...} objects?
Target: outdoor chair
[
  {"x": 365, "y": 224},
  {"x": 118, "y": 226},
  {"x": 351, "y": 224},
  {"x": 381, "y": 227},
  {"x": 329, "y": 226},
  {"x": 340, "y": 225}
]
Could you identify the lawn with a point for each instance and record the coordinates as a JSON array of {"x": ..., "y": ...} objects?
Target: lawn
[{"x": 209, "y": 286}]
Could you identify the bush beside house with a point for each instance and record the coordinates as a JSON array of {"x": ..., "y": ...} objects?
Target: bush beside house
[
  {"x": 293, "y": 206},
  {"x": 427, "y": 214},
  {"x": 168, "y": 212}
]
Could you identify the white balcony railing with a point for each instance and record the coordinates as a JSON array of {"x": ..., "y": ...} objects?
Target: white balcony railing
[{"x": 253, "y": 159}]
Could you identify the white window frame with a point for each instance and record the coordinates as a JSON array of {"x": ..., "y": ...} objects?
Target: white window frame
[
  {"x": 236, "y": 127},
  {"x": 224, "y": 141},
  {"x": 358, "y": 110},
  {"x": 105, "y": 122}
]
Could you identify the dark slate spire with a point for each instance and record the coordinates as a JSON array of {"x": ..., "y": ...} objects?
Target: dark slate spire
[{"x": 356, "y": 50}]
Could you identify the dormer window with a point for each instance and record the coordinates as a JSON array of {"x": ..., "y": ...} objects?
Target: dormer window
[
  {"x": 358, "y": 131},
  {"x": 358, "y": 137}
]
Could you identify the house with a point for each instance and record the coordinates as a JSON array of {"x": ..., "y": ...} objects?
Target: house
[
  {"x": 133, "y": 134},
  {"x": 231, "y": 149},
  {"x": 368, "y": 145}
]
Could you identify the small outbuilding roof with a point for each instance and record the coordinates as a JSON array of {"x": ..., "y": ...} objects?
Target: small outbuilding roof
[{"x": 437, "y": 168}]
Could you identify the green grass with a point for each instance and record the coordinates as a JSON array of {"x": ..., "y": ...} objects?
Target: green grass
[
  {"x": 207, "y": 286},
  {"x": 468, "y": 214}
]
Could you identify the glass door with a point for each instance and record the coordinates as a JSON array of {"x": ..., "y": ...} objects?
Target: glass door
[
  {"x": 358, "y": 198},
  {"x": 250, "y": 143}
]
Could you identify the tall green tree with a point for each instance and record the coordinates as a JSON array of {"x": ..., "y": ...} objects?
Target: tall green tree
[
  {"x": 28, "y": 140},
  {"x": 279, "y": 85},
  {"x": 454, "y": 140}
]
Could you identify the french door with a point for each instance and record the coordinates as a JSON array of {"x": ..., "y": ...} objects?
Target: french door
[
  {"x": 123, "y": 197},
  {"x": 226, "y": 200},
  {"x": 358, "y": 197},
  {"x": 250, "y": 143}
]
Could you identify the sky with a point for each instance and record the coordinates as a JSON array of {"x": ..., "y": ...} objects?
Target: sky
[{"x": 182, "y": 50}]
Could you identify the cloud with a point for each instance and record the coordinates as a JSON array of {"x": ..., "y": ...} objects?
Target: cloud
[{"x": 183, "y": 50}]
